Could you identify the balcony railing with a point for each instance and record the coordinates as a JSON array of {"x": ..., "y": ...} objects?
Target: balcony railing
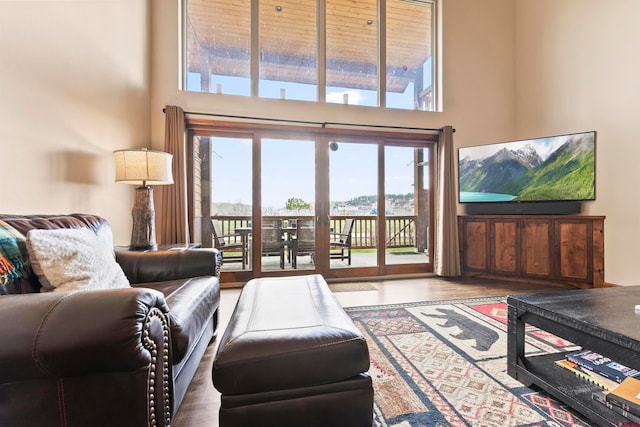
[{"x": 400, "y": 229}]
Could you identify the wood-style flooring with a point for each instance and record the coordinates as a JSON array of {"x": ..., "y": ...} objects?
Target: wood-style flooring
[{"x": 201, "y": 404}]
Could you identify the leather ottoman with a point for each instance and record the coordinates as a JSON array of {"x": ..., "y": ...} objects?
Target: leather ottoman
[{"x": 291, "y": 356}]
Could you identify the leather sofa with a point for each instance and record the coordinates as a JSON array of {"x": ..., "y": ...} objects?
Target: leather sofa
[{"x": 113, "y": 357}]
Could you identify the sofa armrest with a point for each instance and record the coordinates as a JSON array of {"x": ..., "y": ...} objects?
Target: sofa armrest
[
  {"x": 67, "y": 346},
  {"x": 157, "y": 266},
  {"x": 65, "y": 334}
]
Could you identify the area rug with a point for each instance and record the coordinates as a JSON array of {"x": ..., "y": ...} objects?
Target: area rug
[{"x": 444, "y": 364}]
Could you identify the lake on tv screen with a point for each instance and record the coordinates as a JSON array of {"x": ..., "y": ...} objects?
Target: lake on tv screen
[{"x": 473, "y": 196}]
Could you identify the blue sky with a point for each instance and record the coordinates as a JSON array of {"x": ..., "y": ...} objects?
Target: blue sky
[{"x": 289, "y": 167}]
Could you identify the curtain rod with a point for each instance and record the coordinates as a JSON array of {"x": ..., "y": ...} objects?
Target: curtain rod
[{"x": 306, "y": 122}]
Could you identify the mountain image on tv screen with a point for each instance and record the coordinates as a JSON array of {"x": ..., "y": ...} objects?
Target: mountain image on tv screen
[{"x": 556, "y": 168}]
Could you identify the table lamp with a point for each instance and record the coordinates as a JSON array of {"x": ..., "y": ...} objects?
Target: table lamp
[{"x": 143, "y": 168}]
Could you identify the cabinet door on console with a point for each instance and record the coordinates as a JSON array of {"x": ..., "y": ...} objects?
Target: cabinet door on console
[
  {"x": 574, "y": 243},
  {"x": 537, "y": 256},
  {"x": 475, "y": 244},
  {"x": 505, "y": 246}
]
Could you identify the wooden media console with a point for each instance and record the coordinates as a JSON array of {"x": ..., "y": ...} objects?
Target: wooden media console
[{"x": 561, "y": 249}]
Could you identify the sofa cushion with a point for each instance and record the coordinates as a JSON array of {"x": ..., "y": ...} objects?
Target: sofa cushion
[{"x": 73, "y": 259}]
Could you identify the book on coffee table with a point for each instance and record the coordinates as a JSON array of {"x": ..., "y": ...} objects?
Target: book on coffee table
[
  {"x": 626, "y": 396},
  {"x": 588, "y": 375},
  {"x": 600, "y": 397},
  {"x": 602, "y": 365}
]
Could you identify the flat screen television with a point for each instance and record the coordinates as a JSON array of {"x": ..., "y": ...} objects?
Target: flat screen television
[{"x": 550, "y": 169}]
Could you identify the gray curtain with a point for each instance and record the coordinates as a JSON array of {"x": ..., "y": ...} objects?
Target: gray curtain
[
  {"x": 174, "y": 223},
  {"x": 446, "y": 261}
]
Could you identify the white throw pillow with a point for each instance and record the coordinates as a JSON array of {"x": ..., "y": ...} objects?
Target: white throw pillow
[{"x": 69, "y": 259}]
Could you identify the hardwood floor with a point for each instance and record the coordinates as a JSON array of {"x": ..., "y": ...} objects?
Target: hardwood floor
[{"x": 201, "y": 404}]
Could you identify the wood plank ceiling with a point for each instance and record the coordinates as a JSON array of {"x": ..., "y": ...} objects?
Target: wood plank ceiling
[{"x": 219, "y": 40}]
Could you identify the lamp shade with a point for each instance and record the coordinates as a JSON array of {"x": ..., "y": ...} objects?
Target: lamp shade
[{"x": 143, "y": 167}]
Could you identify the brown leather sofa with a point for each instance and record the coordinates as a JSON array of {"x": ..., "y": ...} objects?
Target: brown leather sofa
[{"x": 115, "y": 357}]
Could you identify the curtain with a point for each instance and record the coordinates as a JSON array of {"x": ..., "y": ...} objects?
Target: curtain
[
  {"x": 174, "y": 223},
  {"x": 447, "y": 254}
]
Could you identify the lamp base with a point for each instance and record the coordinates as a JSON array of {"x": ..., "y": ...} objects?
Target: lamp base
[{"x": 143, "y": 233}]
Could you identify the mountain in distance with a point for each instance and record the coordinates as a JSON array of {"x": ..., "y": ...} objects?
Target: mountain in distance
[
  {"x": 567, "y": 174},
  {"x": 492, "y": 174}
]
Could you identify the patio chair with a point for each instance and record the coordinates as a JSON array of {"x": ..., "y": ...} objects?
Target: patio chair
[
  {"x": 305, "y": 240},
  {"x": 340, "y": 243},
  {"x": 272, "y": 239},
  {"x": 229, "y": 246}
]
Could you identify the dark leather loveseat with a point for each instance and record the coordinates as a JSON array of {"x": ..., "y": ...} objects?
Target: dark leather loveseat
[{"x": 114, "y": 357}]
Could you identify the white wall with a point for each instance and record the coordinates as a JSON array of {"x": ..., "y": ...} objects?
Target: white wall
[
  {"x": 578, "y": 69},
  {"x": 74, "y": 86}
]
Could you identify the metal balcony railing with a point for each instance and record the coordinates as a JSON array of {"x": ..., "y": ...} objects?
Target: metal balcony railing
[{"x": 400, "y": 229}]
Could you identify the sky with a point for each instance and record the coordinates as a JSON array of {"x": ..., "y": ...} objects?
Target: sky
[
  {"x": 544, "y": 146},
  {"x": 288, "y": 170}
]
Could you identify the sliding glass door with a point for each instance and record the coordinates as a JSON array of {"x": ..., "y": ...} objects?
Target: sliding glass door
[
  {"x": 287, "y": 208},
  {"x": 406, "y": 205},
  {"x": 227, "y": 198},
  {"x": 279, "y": 203},
  {"x": 353, "y": 204}
]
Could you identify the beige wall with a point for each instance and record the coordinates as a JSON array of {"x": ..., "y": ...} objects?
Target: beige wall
[
  {"x": 81, "y": 79},
  {"x": 74, "y": 86},
  {"x": 578, "y": 69}
]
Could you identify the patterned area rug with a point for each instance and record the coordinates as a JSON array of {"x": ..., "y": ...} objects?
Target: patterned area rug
[{"x": 444, "y": 364}]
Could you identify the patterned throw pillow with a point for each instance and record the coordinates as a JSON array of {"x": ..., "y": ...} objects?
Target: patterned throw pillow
[
  {"x": 73, "y": 259},
  {"x": 13, "y": 253}
]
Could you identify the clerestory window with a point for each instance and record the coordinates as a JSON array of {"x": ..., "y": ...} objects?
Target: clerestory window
[{"x": 357, "y": 52}]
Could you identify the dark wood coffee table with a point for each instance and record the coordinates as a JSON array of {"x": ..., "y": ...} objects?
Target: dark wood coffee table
[{"x": 602, "y": 320}]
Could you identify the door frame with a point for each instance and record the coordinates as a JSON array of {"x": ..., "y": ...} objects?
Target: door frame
[{"x": 200, "y": 225}]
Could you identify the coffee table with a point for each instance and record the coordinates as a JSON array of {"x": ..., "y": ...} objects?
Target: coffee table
[{"x": 602, "y": 320}]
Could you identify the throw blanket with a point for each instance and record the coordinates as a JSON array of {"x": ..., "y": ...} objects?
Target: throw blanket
[{"x": 13, "y": 253}]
